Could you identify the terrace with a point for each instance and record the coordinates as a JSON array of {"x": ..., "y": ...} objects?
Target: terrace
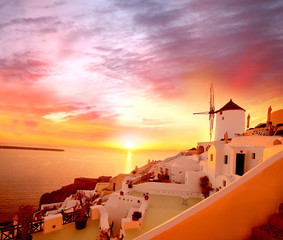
[{"x": 160, "y": 209}]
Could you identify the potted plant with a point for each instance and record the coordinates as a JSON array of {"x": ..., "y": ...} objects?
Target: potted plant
[
  {"x": 146, "y": 196},
  {"x": 130, "y": 184},
  {"x": 136, "y": 215},
  {"x": 81, "y": 220},
  {"x": 25, "y": 215}
]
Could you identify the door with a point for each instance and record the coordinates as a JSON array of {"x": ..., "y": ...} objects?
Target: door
[{"x": 240, "y": 164}]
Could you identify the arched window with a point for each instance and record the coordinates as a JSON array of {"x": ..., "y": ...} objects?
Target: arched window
[
  {"x": 200, "y": 150},
  {"x": 277, "y": 142}
]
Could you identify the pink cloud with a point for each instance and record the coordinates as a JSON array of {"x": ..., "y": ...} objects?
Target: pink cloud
[
  {"x": 16, "y": 121},
  {"x": 30, "y": 123},
  {"x": 24, "y": 68}
]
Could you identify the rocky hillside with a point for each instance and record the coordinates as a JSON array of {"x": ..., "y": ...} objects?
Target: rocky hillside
[{"x": 66, "y": 191}]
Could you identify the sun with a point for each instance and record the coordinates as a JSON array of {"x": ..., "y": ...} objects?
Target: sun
[{"x": 129, "y": 145}]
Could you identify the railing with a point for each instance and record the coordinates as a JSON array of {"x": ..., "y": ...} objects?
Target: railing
[
  {"x": 183, "y": 194},
  {"x": 11, "y": 232},
  {"x": 71, "y": 217},
  {"x": 257, "y": 131},
  {"x": 15, "y": 231},
  {"x": 35, "y": 226}
]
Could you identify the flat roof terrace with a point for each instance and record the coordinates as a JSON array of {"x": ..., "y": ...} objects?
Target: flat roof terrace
[{"x": 160, "y": 209}]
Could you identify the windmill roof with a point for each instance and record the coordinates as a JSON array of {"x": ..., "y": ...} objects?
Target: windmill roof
[{"x": 230, "y": 106}]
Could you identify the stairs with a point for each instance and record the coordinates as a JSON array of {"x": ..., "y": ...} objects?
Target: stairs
[{"x": 271, "y": 231}]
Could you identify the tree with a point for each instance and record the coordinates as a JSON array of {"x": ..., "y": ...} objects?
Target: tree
[
  {"x": 205, "y": 186},
  {"x": 85, "y": 203},
  {"x": 25, "y": 215}
]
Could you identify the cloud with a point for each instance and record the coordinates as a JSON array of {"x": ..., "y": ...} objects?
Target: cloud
[
  {"x": 28, "y": 21},
  {"x": 23, "y": 67},
  {"x": 30, "y": 123},
  {"x": 54, "y": 5},
  {"x": 81, "y": 113},
  {"x": 224, "y": 35},
  {"x": 87, "y": 62}
]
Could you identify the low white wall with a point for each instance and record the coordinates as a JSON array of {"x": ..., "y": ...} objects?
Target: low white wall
[
  {"x": 118, "y": 206},
  {"x": 268, "y": 152},
  {"x": 194, "y": 180},
  {"x": 98, "y": 211},
  {"x": 94, "y": 213},
  {"x": 52, "y": 223},
  {"x": 128, "y": 223},
  {"x": 168, "y": 189},
  {"x": 124, "y": 203}
]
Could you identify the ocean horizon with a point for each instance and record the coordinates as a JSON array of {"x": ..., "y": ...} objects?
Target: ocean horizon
[{"x": 27, "y": 174}]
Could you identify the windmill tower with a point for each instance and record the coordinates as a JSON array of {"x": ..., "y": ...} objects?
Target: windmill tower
[
  {"x": 230, "y": 119},
  {"x": 211, "y": 111}
]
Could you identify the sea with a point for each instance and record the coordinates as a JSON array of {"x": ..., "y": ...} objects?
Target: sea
[{"x": 27, "y": 174}]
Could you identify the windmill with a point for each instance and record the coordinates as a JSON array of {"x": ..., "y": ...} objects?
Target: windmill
[{"x": 211, "y": 111}]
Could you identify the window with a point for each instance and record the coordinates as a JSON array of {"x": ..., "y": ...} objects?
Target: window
[
  {"x": 222, "y": 118},
  {"x": 211, "y": 157},
  {"x": 253, "y": 155},
  {"x": 225, "y": 159},
  {"x": 224, "y": 183}
]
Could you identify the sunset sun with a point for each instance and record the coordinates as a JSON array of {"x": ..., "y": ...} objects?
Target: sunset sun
[{"x": 129, "y": 144}]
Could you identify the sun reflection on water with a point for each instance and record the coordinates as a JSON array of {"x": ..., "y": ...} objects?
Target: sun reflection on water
[{"x": 129, "y": 163}]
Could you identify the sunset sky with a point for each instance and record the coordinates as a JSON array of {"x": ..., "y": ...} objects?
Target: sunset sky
[{"x": 131, "y": 73}]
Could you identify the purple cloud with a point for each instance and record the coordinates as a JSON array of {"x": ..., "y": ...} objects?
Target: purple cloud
[
  {"x": 23, "y": 67},
  {"x": 223, "y": 35}
]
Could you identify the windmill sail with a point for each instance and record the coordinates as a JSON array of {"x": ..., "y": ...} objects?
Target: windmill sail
[{"x": 211, "y": 111}]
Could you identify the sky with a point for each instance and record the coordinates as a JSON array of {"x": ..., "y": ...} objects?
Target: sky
[{"x": 130, "y": 74}]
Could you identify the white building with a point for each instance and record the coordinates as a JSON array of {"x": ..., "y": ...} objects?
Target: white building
[
  {"x": 227, "y": 162},
  {"x": 222, "y": 160}
]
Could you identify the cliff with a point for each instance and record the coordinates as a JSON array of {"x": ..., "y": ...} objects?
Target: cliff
[
  {"x": 31, "y": 148},
  {"x": 79, "y": 184}
]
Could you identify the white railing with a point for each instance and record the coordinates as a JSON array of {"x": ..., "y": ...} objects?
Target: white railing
[
  {"x": 170, "y": 189},
  {"x": 183, "y": 194}
]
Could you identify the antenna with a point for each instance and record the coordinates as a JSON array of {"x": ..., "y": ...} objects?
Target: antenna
[{"x": 211, "y": 111}]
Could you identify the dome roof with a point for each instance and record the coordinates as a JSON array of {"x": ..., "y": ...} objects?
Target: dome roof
[{"x": 230, "y": 106}]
